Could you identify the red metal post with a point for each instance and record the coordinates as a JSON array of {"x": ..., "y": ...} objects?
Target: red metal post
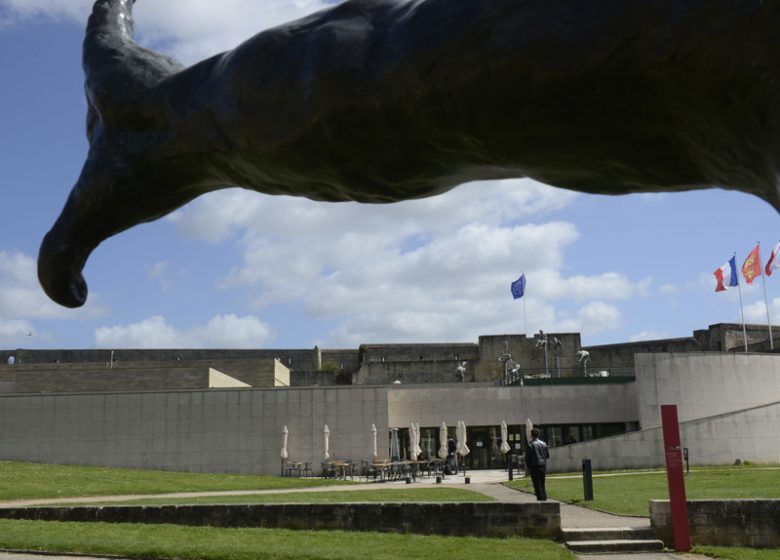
[{"x": 675, "y": 478}]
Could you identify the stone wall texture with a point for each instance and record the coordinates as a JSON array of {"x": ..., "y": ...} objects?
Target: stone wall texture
[
  {"x": 753, "y": 523},
  {"x": 484, "y": 519},
  {"x": 137, "y": 376}
]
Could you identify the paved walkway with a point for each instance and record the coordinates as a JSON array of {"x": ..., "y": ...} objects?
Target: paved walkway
[{"x": 484, "y": 482}]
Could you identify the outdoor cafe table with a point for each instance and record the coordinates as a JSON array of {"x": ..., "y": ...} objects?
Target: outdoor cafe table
[{"x": 341, "y": 468}]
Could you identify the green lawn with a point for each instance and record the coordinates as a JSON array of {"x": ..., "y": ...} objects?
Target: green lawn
[
  {"x": 20, "y": 481},
  {"x": 209, "y": 543},
  {"x": 374, "y": 495},
  {"x": 628, "y": 494}
]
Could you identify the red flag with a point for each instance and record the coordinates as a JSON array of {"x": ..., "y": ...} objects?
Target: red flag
[
  {"x": 752, "y": 267},
  {"x": 773, "y": 261}
]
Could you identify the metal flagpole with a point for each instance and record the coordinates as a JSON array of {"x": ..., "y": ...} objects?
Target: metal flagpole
[
  {"x": 741, "y": 308},
  {"x": 525, "y": 319},
  {"x": 766, "y": 301}
]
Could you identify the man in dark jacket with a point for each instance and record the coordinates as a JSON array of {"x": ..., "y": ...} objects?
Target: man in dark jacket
[{"x": 536, "y": 460}]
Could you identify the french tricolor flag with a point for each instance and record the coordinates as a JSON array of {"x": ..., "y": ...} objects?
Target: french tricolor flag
[{"x": 726, "y": 275}]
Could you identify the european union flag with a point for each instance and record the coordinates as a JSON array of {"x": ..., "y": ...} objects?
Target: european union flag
[{"x": 518, "y": 287}]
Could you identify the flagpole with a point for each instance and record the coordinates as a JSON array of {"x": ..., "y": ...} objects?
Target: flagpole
[
  {"x": 741, "y": 308},
  {"x": 766, "y": 301},
  {"x": 525, "y": 319}
]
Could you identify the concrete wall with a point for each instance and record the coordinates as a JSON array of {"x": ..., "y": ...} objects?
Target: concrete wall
[
  {"x": 704, "y": 384},
  {"x": 239, "y": 430},
  {"x": 486, "y": 404},
  {"x": 753, "y": 523},
  {"x": 750, "y": 434},
  {"x": 217, "y": 430}
]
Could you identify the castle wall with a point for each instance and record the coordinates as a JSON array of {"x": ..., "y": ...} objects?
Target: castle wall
[{"x": 136, "y": 376}]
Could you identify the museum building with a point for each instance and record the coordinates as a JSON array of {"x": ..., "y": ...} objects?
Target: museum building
[{"x": 226, "y": 410}]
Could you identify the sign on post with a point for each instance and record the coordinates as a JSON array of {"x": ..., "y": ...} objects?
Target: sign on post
[{"x": 675, "y": 478}]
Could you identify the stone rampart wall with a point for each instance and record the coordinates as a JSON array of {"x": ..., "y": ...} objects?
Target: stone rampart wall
[
  {"x": 417, "y": 372},
  {"x": 320, "y": 378},
  {"x": 341, "y": 360},
  {"x": 753, "y": 523},
  {"x": 292, "y": 358},
  {"x": 134, "y": 376},
  {"x": 72, "y": 380},
  {"x": 418, "y": 352},
  {"x": 484, "y": 519}
]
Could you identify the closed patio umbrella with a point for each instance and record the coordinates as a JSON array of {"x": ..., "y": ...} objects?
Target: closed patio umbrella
[
  {"x": 326, "y": 437},
  {"x": 414, "y": 441},
  {"x": 504, "y": 444},
  {"x": 528, "y": 427},
  {"x": 443, "y": 441},
  {"x": 460, "y": 434},
  {"x": 417, "y": 437},
  {"x": 284, "y": 453},
  {"x": 374, "y": 453}
]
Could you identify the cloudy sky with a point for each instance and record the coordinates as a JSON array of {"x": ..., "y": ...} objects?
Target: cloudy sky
[{"x": 244, "y": 270}]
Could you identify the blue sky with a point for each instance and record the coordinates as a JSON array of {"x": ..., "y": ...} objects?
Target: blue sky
[{"x": 239, "y": 269}]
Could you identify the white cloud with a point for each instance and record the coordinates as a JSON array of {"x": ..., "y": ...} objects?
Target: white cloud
[
  {"x": 431, "y": 269},
  {"x": 21, "y": 296},
  {"x": 222, "y": 331},
  {"x": 756, "y": 312},
  {"x": 669, "y": 290},
  {"x": 187, "y": 29},
  {"x": 15, "y": 332}
]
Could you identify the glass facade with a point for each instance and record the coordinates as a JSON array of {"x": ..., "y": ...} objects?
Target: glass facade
[{"x": 484, "y": 442}]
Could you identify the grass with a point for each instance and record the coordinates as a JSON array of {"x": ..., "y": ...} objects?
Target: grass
[
  {"x": 19, "y": 481},
  {"x": 629, "y": 494},
  {"x": 209, "y": 543},
  {"x": 376, "y": 496}
]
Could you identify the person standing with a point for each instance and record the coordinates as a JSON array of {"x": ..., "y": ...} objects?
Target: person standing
[
  {"x": 452, "y": 457},
  {"x": 536, "y": 460}
]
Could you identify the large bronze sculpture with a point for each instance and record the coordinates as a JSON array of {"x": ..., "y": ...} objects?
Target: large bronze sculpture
[{"x": 386, "y": 100}]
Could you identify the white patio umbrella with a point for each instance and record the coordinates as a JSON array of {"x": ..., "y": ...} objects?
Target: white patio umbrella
[
  {"x": 374, "y": 453},
  {"x": 460, "y": 434},
  {"x": 414, "y": 441},
  {"x": 528, "y": 427},
  {"x": 443, "y": 441},
  {"x": 284, "y": 453},
  {"x": 504, "y": 444},
  {"x": 326, "y": 437}
]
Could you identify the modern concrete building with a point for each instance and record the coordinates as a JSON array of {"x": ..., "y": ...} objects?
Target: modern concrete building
[{"x": 224, "y": 411}]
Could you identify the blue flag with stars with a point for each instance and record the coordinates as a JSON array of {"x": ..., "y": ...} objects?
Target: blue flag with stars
[{"x": 518, "y": 287}]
